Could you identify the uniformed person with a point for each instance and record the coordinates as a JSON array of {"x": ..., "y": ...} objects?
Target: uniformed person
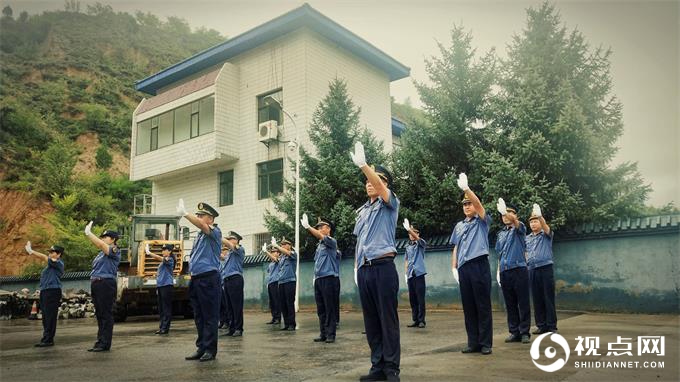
[
  {"x": 104, "y": 284},
  {"x": 377, "y": 276},
  {"x": 414, "y": 269},
  {"x": 225, "y": 313},
  {"x": 273, "y": 283},
  {"x": 204, "y": 288},
  {"x": 326, "y": 277},
  {"x": 542, "y": 280},
  {"x": 287, "y": 279},
  {"x": 233, "y": 282},
  {"x": 50, "y": 291},
  {"x": 338, "y": 258},
  {"x": 164, "y": 285},
  {"x": 513, "y": 275},
  {"x": 470, "y": 260}
]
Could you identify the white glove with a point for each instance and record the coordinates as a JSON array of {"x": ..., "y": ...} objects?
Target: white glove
[
  {"x": 356, "y": 278},
  {"x": 180, "y": 208},
  {"x": 500, "y": 206},
  {"x": 536, "y": 211},
  {"x": 406, "y": 224},
  {"x": 88, "y": 228},
  {"x": 463, "y": 182},
  {"x": 264, "y": 247},
  {"x": 28, "y": 248},
  {"x": 147, "y": 250},
  {"x": 274, "y": 241},
  {"x": 313, "y": 282},
  {"x": 498, "y": 277},
  {"x": 455, "y": 274},
  {"x": 406, "y": 278},
  {"x": 305, "y": 221},
  {"x": 358, "y": 156}
]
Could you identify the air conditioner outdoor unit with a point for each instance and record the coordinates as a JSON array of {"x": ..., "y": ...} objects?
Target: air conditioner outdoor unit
[{"x": 268, "y": 131}]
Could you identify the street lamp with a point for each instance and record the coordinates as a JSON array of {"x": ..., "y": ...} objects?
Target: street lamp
[{"x": 269, "y": 100}]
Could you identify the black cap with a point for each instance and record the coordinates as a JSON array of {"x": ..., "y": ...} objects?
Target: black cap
[
  {"x": 206, "y": 209},
  {"x": 57, "y": 249},
  {"x": 169, "y": 247},
  {"x": 233, "y": 235},
  {"x": 271, "y": 248},
  {"x": 285, "y": 241},
  {"x": 111, "y": 234},
  {"x": 414, "y": 229},
  {"x": 511, "y": 207},
  {"x": 382, "y": 172},
  {"x": 323, "y": 221}
]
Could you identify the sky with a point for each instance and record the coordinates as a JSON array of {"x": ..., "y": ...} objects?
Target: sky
[{"x": 643, "y": 35}]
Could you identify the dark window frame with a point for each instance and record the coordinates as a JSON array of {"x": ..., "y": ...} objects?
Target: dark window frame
[
  {"x": 264, "y": 172},
  {"x": 226, "y": 186}
]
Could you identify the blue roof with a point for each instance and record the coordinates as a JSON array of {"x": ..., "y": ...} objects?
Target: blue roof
[{"x": 303, "y": 16}]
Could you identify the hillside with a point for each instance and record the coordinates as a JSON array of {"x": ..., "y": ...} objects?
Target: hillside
[{"x": 66, "y": 100}]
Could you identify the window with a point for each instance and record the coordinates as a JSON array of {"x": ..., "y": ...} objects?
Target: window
[
  {"x": 259, "y": 239},
  {"x": 269, "y": 178},
  {"x": 227, "y": 188},
  {"x": 185, "y": 122},
  {"x": 268, "y": 109}
]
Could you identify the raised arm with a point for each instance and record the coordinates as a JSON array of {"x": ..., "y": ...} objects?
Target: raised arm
[
  {"x": 359, "y": 159},
  {"x": 502, "y": 208},
  {"x": 544, "y": 225},
  {"x": 147, "y": 250},
  {"x": 281, "y": 249},
  {"x": 203, "y": 226},
  {"x": 30, "y": 251},
  {"x": 228, "y": 244},
  {"x": 99, "y": 243},
  {"x": 315, "y": 232},
  {"x": 463, "y": 185}
]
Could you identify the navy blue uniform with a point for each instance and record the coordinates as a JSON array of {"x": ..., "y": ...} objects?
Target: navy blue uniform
[
  {"x": 233, "y": 285},
  {"x": 164, "y": 289},
  {"x": 514, "y": 276},
  {"x": 204, "y": 289},
  {"x": 542, "y": 279},
  {"x": 415, "y": 273},
  {"x": 378, "y": 281},
  {"x": 273, "y": 291},
  {"x": 103, "y": 289},
  {"x": 326, "y": 285},
  {"x": 50, "y": 297},
  {"x": 471, "y": 238},
  {"x": 287, "y": 279}
]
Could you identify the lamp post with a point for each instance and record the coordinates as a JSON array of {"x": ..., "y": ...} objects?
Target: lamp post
[{"x": 269, "y": 99}]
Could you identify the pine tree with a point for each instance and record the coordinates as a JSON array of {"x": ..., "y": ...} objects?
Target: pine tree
[{"x": 330, "y": 184}]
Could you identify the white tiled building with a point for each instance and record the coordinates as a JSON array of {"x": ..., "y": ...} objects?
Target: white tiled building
[{"x": 198, "y": 135}]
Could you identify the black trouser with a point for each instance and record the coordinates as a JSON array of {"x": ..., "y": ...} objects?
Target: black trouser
[
  {"x": 475, "y": 293},
  {"x": 234, "y": 287},
  {"x": 337, "y": 304},
  {"x": 103, "y": 297},
  {"x": 225, "y": 314},
  {"x": 165, "y": 306},
  {"x": 49, "y": 305},
  {"x": 287, "y": 301},
  {"x": 378, "y": 291},
  {"x": 325, "y": 294},
  {"x": 543, "y": 293},
  {"x": 515, "y": 286},
  {"x": 416, "y": 296},
  {"x": 274, "y": 306},
  {"x": 204, "y": 295}
]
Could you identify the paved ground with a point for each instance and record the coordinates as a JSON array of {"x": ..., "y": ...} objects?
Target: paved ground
[{"x": 263, "y": 354}]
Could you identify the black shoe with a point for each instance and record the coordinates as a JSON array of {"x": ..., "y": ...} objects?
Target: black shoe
[
  {"x": 421, "y": 325},
  {"x": 44, "y": 344},
  {"x": 553, "y": 330},
  {"x": 291, "y": 328},
  {"x": 539, "y": 331},
  {"x": 377, "y": 376},
  {"x": 486, "y": 350},
  {"x": 330, "y": 340},
  {"x": 270, "y": 322},
  {"x": 97, "y": 350},
  {"x": 392, "y": 376},
  {"x": 237, "y": 333},
  {"x": 195, "y": 356},
  {"x": 229, "y": 333},
  {"x": 469, "y": 349},
  {"x": 413, "y": 325},
  {"x": 207, "y": 356},
  {"x": 513, "y": 338},
  {"x": 284, "y": 328},
  {"x": 161, "y": 332},
  {"x": 526, "y": 339},
  {"x": 320, "y": 339},
  {"x": 220, "y": 325}
]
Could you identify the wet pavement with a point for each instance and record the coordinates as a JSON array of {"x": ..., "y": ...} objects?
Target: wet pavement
[{"x": 266, "y": 354}]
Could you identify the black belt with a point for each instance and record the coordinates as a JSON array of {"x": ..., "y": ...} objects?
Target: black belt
[
  {"x": 232, "y": 276},
  {"x": 380, "y": 260},
  {"x": 203, "y": 275},
  {"x": 101, "y": 278}
]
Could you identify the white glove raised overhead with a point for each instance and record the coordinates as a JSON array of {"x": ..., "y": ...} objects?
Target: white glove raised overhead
[
  {"x": 358, "y": 156},
  {"x": 500, "y": 206},
  {"x": 264, "y": 247},
  {"x": 88, "y": 228},
  {"x": 147, "y": 250},
  {"x": 406, "y": 224},
  {"x": 28, "y": 248},
  {"x": 463, "y": 182},
  {"x": 274, "y": 241},
  {"x": 536, "y": 211},
  {"x": 356, "y": 278},
  {"x": 305, "y": 221},
  {"x": 180, "y": 208},
  {"x": 455, "y": 274},
  {"x": 498, "y": 277}
]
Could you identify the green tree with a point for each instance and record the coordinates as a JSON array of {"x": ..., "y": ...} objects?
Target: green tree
[
  {"x": 56, "y": 169},
  {"x": 331, "y": 185},
  {"x": 7, "y": 11},
  {"x": 103, "y": 158}
]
